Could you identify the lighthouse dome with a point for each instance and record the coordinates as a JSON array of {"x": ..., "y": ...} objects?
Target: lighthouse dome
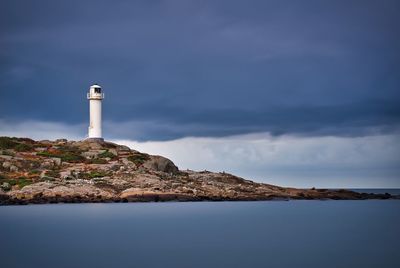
[{"x": 95, "y": 92}]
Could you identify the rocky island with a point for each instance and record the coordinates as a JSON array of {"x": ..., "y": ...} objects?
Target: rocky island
[{"x": 98, "y": 171}]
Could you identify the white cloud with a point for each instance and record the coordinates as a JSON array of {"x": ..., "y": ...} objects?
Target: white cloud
[
  {"x": 39, "y": 130},
  {"x": 370, "y": 161}
]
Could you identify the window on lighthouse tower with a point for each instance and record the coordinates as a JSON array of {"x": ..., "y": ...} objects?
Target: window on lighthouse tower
[{"x": 97, "y": 90}]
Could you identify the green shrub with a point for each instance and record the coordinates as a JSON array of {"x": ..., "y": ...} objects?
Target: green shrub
[
  {"x": 23, "y": 147},
  {"x": 18, "y": 144},
  {"x": 47, "y": 154},
  {"x": 106, "y": 154},
  {"x": 6, "y": 152},
  {"x": 7, "y": 143},
  {"x": 66, "y": 156},
  {"x": 23, "y": 181},
  {"x": 92, "y": 174},
  {"x": 34, "y": 172},
  {"x": 26, "y": 140},
  {"x": 12, "y": 182},
  {"x": 72, "y": 158},
  {"x": 138, "y": 158},
  {"x": 97, "y": 174}
]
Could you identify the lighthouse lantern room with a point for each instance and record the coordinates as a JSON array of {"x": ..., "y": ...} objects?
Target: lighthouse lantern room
[{"x": 95, "y": 97}]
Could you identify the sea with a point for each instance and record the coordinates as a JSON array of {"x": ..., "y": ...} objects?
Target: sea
[{"x": 203, "y": 234}]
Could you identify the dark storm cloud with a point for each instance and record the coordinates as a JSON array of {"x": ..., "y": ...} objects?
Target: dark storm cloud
[{"x": 204, "y": 68}]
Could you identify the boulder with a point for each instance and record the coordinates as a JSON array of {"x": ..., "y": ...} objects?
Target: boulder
[
  {"x": 56, "y": 161},
  {"x": 160, "y": 163},
  {"x": 8, "y": 156},
  {"x": 5, "y": 186},
  {"x": 92, "y": 153},
  {"x": 7, "y": 164},
  {"x": 13, "y": 168}
]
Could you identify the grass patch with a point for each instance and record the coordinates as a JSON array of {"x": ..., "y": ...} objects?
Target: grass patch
[
  {"x": 7, "y": 152},
  {"x": 92, "y": 174},
  {"x": 21, "y": 182},
  {"x": 138, "y": 158},
  {"x": 66, "y": 153},
  {"x": 100, "y": 159},
  {"x": 106, "y": 154},
  {"x": 34, "y": 172},
  {"x": 7, "y": 143},
  {"x": 18, "y": 144},
  {"x": 23, "y": 147}
]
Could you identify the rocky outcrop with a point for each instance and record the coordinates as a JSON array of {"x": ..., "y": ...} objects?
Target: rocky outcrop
[
  {"x": 160, "y": 163},
  {"x": 100, "y": 171}
]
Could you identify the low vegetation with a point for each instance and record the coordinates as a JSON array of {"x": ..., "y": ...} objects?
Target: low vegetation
[
  {"x": 34, "y": 172},
  {"x": 66, "y": 153},
  {"x": 102, "y": 158},
  {"x": 138, "y": 158},
  {"x": 23, "y": 181},
  {"x": 8, "y": 152},
  {"x": 17, "y": 144},
  {"x": 7, "y": 183},
  {"x": 23, "y": 147},
  {"x": 7, "y": 143},
  {"x": 92, "y": 174},
  {"x": 107, "y": 154}
]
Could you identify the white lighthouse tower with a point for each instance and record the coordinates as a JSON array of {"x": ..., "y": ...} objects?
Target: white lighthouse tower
[{"x": 95, "y": 96}]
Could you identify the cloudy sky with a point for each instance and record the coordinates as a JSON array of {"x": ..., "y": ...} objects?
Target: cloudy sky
[{"x": 301, "y": 93}]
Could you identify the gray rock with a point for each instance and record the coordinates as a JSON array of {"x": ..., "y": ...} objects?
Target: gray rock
[
  {"x": 160, "y": 163},
  {"x": 123, "y": 148},
  {"x": 56, "y": 160},
  {"x": 113, "y": 151},
  {"x": 7, "y": 164},
  {"x": 68, "y": 175},
  {"x": 13, "y": 168},
  {"x": 7, "y": 155},
  {"x": 5, "y": 186}
]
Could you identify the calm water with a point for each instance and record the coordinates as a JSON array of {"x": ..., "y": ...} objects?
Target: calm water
[{"x": 221, "y": 234}]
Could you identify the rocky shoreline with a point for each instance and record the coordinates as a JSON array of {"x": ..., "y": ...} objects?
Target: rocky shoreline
[{"x": 61, "y": 171}]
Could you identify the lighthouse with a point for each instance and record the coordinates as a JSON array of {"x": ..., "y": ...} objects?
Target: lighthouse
[{"x": 95, "y": 97}]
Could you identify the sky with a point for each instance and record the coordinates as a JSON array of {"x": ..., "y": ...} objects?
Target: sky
[{"x": 295, "y": 93}]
